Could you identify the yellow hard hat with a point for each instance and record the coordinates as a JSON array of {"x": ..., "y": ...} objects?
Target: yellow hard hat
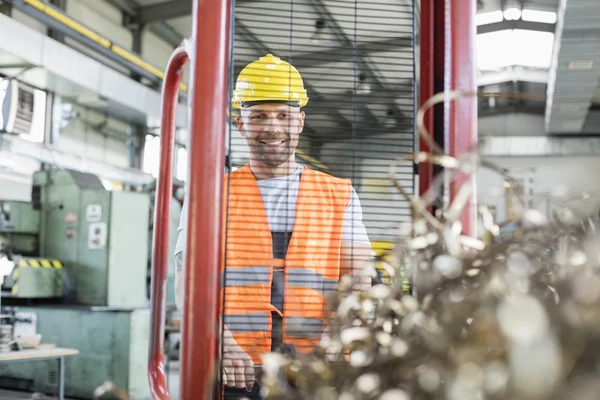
[{"x": 269, "y": 79}]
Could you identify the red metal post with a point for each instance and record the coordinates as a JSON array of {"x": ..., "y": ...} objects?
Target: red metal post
[
  {"x": 463, "y": 112},
  {"x": 426, "y": 88},
  {"x": 162, "y": 212},
  {"x": 210, "y": 86}
]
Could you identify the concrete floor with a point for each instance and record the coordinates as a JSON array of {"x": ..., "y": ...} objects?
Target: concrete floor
[{"x": 13, "y": 395}]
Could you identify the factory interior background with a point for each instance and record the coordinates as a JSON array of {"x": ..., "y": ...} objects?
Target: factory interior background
[{"x": 80, "y": 95}]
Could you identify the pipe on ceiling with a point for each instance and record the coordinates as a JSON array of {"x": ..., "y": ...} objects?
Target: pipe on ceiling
[{"x": 56, "y": 19}]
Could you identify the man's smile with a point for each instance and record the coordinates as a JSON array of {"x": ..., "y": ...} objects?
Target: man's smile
[{"x": 273, "y": 143}]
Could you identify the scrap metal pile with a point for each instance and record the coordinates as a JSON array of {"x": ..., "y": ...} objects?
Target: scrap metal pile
[{"x": 493, "y": 317}]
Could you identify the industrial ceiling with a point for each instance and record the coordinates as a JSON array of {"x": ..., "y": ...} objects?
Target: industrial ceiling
[{"x": 565, "y": 91}]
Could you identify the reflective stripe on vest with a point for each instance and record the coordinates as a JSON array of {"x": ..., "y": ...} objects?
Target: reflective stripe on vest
[{"x": 312, "y": 263}]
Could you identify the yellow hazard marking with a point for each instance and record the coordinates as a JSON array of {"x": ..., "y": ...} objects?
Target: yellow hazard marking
[
  {"x": 36, "y": 263},
  {"x": 15, "y": 274},
  {"x": 15, "y": 289}
]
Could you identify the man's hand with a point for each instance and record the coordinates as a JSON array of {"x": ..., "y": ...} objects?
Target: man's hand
[
  {"x": 237, "y": 367},
  {"x": 355, "y": 258}
]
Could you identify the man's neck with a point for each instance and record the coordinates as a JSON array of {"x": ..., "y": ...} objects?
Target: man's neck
[{"x": 261, "y": 171}]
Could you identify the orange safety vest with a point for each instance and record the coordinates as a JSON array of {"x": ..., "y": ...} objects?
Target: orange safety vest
[{"x": 312, "y": 263}]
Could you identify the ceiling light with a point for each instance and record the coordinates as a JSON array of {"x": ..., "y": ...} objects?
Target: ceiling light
[
  {"x": 363, "y": 87},
  {"x": 319, "y": 34},
  {"x": 580, "y": 65},
  {"x": 547, "y": 17},
  {"x": 512, "y": 14},
  {"x": 389, "y": 121}
]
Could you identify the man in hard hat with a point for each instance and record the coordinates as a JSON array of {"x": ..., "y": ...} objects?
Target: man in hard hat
[{"x": 291, "y": 232}]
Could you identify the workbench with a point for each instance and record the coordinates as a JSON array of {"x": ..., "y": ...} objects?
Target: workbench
[{"x": 56, "y": 353}]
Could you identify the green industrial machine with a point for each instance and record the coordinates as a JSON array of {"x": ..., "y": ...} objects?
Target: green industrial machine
[
  {"x": 100, "y": 235},
  {"x": 112, "y": 344},
  {"x": 100, "y": 242},
  {"x": 32, "y": 277},
  {"x": 19, "y": 228}
]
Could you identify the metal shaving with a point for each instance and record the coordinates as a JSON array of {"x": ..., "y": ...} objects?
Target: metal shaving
[{"x": 501, "y": 316}]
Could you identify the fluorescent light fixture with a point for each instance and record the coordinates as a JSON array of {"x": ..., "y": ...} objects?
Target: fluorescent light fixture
[
  {"x": 512, "y": 14},
  {"x": 547, "y": 17},
  {"x": 573, "y": 108},
  {"x": 580, "y": 65},
  {"x": 488, "y": 17}
]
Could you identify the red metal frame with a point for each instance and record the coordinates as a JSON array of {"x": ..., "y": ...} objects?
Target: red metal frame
[
  {"x": 463, "y": 112},
  {"x": 208, "y": 99},
  {"x": 162, "y": 212},
  {"x": 447, "y": 52},
  {"x": 426, "y": 86},
  {"x": 210, "y": 87}
]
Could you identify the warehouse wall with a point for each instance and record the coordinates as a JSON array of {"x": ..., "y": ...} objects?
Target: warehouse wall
[
  {"x": 573, "y": 173},
  {"x": 82, "y": 135}
]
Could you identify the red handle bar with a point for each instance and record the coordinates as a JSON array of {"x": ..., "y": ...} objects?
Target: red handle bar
[
  {"x": 210, "y": 53},
  {"x": 162, "y": 212}
]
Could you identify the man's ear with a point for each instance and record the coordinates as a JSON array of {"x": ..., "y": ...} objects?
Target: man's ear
[{"x": 240, "y": 125}]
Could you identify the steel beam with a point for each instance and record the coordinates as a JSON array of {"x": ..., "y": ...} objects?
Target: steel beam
[
  {"x": 364, "y": 66},
  {"x": 362, "y": 131},
  {"x": 169, "y": 10},
  {"x": 512, "y": 109},
  {"x": 159, "y": 28},
  {"x": 164, "y": 11},
  {"x": 388, "y": 96},
  {"x": 344, "y": 53},
  {"x": 166, "y": 32},
  {"x": 518, "y": 24}
]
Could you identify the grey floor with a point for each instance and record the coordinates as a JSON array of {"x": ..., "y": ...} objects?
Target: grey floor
[{"x": 12, "y": 395}]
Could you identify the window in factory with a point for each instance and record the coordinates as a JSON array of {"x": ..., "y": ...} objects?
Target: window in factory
[
  {"x": 496, "y": 50},
  {"x": 26, "y": 108},
  {"x": 489, "y": 17},
  {"x": 181, "y": 166},
  {"x": 546, "y": 17},
  {"x": 38, "y": 122},
  {"x": 151, "y": 158}
]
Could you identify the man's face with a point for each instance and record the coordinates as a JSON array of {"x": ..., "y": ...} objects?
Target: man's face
[{"x": 272, "y": 131}]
